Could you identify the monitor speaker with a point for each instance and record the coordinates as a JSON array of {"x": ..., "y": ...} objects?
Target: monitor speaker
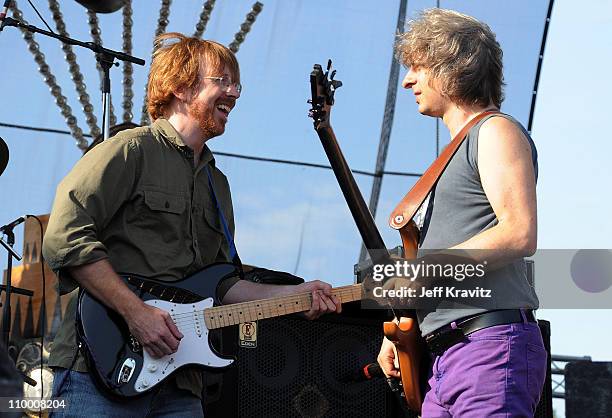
[
  {"x": 303, "y": 369},
  {"x": 588, "y": 389}
]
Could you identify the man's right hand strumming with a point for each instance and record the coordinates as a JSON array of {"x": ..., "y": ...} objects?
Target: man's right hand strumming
[{"x": 152, "y": 327}]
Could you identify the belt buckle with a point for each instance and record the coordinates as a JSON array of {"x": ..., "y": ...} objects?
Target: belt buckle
[
  {"x": 530, "y": 314},
  {"x": 439, "y": 343}
]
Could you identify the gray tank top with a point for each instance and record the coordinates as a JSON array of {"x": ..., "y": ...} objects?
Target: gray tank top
[{"x": 457, "y": 210}]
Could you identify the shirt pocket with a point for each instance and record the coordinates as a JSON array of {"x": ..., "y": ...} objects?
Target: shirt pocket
[
  {"x": 162, "y": 223},
  {"x": 164, "y": 202}
]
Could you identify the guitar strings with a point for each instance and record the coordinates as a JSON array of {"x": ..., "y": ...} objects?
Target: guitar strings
[
  {"x": 290, "y": 301},
  {"x": 347, "y": 291},
  {"x": 267, "y": 309}
]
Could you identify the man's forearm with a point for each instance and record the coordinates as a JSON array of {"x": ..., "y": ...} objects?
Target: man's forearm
[
  {"x": 99, "y": 279},
  {"x": 244, "y": 291},
  {"x": 322, "y": 299},
  {"x": 500, "y": 244}
]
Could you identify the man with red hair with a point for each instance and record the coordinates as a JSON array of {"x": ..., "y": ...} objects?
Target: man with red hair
[{"x": 140, "y": 202}]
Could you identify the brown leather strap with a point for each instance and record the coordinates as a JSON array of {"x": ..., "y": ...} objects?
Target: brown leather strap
[{"x": 405, "y": 210}]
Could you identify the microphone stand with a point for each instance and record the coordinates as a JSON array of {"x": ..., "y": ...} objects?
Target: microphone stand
[
  {"x": 6, "y": 309},
  {"x": 105, "y": 57},
  {"x": 8, "y": 289}
]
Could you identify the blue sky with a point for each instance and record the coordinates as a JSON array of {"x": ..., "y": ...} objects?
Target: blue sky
[{"x": 276, "y": 206}]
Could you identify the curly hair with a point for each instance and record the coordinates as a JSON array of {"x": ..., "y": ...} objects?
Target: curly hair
[
  {"x": 177, "y": 65},
  {"x": 459, "y": 51}
]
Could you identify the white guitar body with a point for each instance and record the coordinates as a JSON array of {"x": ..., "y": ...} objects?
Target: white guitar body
[{"x": 193, "y": 348}]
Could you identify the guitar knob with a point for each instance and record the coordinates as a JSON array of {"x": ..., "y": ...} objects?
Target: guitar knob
[
  {"x": 144, "y": 383},
  {"x": 152, "y": 368}
]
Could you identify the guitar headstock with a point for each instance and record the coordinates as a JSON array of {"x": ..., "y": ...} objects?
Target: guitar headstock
[{"x": 322, "y": 87}]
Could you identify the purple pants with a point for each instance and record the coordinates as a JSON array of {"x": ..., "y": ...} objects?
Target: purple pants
[{"x": 497, "y": 372}]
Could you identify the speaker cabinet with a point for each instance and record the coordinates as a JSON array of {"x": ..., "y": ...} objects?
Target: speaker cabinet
[
  {"x": 588, "y": 389},
  {"x": 303, "y": 369}
]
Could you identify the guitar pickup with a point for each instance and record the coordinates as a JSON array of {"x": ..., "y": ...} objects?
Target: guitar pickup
[{"x": 134, "y": 345}]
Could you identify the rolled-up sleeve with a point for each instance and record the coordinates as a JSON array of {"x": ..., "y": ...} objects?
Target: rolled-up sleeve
[{"x": 85, "y": 201}]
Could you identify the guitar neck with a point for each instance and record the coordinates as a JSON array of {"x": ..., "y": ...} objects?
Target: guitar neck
[
  {"x": 361, "y": 213},
  {"x": 228, "y": 315}
]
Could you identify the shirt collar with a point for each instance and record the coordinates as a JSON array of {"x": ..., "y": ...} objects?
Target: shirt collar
[{"x": 165, "y": 129}]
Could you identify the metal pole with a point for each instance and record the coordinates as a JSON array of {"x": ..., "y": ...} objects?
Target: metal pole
[
  {"x": 6, "y": 312},
  {"x": 539, "y": 68},
  {"x": 385, "y": 134}
]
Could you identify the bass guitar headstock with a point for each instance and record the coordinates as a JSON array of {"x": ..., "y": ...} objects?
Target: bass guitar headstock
[{"x": 322, "y": 87}]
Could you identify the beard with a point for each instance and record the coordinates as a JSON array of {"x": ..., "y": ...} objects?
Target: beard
[{"x": 206, "y": 120}]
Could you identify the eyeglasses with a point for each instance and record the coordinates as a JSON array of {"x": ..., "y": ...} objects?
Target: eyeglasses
[{"x": 226, "y": 83}]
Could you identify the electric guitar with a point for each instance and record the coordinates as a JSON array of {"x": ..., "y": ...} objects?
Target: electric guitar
[
  {"x": 117, "y": 360},
  {"x": 405, "y": 333}
]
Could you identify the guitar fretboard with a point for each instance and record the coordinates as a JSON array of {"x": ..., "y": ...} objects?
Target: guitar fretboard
[{"x": 224, "y": 316}]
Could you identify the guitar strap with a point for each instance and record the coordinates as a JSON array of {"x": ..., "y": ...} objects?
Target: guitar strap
[
  {"x": 228, "y": 235},
  {"x": 406, "y": 209}
]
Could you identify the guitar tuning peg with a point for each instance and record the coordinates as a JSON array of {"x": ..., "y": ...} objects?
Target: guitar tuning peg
[
  {"x": 333, "y": 74},
  {"x": 329, "y": 63},
  {"x": 309, "y": 101}
]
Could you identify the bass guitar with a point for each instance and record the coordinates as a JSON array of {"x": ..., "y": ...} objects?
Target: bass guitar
[
  {"x": 117, "y": 360},
  {"x": 405, "y": 332}
]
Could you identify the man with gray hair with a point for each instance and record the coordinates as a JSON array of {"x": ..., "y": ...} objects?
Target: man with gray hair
[{"x": 486, "y": 362}]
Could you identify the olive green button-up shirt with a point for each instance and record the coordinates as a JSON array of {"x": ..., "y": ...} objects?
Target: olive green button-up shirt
[{"x": 139, "y": 201}]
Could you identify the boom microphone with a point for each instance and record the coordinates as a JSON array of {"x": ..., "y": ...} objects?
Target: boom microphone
[{"x": 13, "y": 224}]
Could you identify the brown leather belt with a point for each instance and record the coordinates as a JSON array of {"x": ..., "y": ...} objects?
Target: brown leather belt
[{"x": 444, "y": 338}]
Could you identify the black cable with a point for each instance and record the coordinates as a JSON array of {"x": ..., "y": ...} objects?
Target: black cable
[
  {"x": 401, "y": 173},
  {"x": 34, "y": 128},
  {"x": 232, "y": 155},
  {"x": 41, "y": 18},
  {"x": 313, "y": 165}
]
